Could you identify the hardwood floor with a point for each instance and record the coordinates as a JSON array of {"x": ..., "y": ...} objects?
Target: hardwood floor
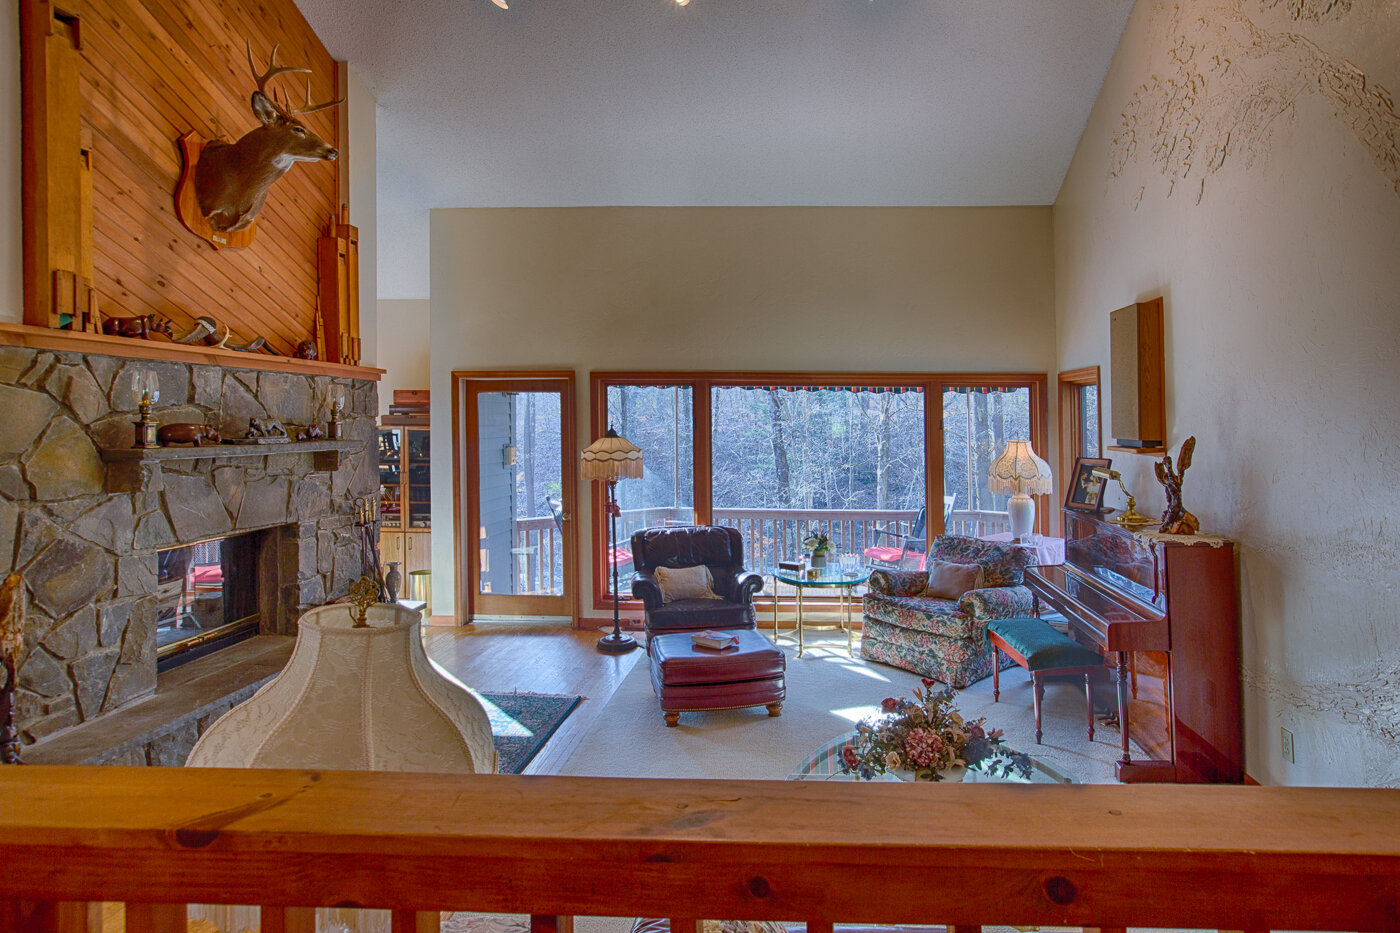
[{"x": 500, "y": 657}]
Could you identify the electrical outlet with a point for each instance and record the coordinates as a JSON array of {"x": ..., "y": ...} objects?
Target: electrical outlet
[{"x": 1287, "y": 742}]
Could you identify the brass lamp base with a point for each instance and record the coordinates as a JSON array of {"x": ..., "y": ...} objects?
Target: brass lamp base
[{"x": 1131, "y": 516}]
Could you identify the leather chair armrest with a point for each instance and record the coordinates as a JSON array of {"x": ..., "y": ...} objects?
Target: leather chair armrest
[
  {"x": 747, "y": 585},
  {"x": 997, "y": 602},
  {"x": 645, "y": 588},
  {"x": 898, "y": 582}
]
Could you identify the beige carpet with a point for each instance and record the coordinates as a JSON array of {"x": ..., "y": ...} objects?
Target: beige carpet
[{"x": 827, "y": 693}]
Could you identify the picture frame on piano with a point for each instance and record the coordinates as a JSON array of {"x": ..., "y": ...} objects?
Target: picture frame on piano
[{"x": 1085, "y": 491}]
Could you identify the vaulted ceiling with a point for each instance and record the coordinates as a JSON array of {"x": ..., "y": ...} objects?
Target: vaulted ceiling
[{"x": 720, "y": 102}]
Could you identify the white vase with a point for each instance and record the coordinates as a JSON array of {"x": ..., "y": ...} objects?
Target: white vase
[{"x": 360, "y": 699}]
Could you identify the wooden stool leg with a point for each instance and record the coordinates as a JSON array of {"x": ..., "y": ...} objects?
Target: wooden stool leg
[
  {"x": 1089, "y": 702},
  {"x": 1039, "y": 695},
  {"x": 996, "y": 674}
]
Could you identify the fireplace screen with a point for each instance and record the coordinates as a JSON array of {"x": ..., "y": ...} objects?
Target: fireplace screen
[{"x": 206, "y": 597}]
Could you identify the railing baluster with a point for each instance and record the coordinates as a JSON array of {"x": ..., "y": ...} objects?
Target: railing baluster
[
  {"x": 415, "y": 921},
  {"x": 156, "y": 918},
  {"x": 547, "y": 923},
  {"x": 288, "y": 919},
  {"x": 686, "y": 925},
  {"x": 47, "y": 917},
  {"x": 819, "y": 926}
]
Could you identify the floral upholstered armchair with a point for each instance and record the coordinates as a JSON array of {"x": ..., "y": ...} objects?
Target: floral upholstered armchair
[{"x": 940, "y": 636}]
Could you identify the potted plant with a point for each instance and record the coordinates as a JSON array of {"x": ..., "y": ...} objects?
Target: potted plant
[
  {"x": 927, "y": 739},
  {"x": 818, "y": 544}
]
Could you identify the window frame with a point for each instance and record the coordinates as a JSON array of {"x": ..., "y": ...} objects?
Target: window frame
[
  {"x": 1071, "y": 383},
  {"x": 701, "y": 382}
]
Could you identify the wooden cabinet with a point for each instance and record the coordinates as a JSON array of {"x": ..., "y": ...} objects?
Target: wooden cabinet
[{"x": 405, "y": 497}]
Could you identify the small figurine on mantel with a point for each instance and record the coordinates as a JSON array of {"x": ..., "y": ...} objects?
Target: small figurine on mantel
[
  {"x": 141, "y": 327},
  {"x": 310, "y": 433},
  {"x": 1175, "y": 519},
  {"x": 183, "y": 432},
  {"x": 264, "y": 431}
]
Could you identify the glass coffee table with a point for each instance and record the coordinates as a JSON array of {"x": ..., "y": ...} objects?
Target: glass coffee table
[
  {"x": 825, "y": 765},
  {"x": 829, "y": 577}
]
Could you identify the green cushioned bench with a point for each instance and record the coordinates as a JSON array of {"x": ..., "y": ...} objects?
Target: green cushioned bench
[{"x": 1043, "y": 652}]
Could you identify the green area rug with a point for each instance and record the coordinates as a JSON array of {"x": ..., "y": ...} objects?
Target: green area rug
[{"x": 522, "y": 722}]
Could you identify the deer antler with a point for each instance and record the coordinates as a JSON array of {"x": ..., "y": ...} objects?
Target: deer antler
[
  {"x": 312, "y": 108},
  {"x": 273, "y": 71}
]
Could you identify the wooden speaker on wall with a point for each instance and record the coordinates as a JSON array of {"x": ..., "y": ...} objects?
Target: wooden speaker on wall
[{"x": 1138, "y": 413}]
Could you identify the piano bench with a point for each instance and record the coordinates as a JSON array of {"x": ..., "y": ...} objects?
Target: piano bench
[{"x": 1043, "y": 652}]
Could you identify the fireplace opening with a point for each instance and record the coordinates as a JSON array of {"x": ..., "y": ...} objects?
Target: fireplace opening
[{"x": 206, "y": 597}]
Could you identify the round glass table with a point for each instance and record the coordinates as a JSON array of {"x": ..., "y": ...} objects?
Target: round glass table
[
  {"x": 829, "y": 577},
  {"x": 825, "y": 765}
]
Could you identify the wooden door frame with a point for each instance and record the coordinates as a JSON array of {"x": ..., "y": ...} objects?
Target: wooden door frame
[{"x": 464, "y": 519}]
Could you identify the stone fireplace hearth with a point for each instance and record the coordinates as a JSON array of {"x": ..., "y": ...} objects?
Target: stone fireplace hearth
[{"x": 83, "y": 521}]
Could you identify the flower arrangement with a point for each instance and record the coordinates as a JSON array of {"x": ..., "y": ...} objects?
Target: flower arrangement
[
  {"x": 818, "y": 542},
  {"x": 927, "y": 736}
]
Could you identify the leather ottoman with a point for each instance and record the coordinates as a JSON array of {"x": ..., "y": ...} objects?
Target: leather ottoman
[{"x": 687, "y": 677}]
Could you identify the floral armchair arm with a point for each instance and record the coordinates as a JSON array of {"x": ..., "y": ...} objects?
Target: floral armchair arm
[
  {"x": 997, "y": 602},
  {"x": 897, "y": 582}
]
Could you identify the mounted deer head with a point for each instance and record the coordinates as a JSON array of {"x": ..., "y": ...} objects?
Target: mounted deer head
[{"x": 232, "y": 179}]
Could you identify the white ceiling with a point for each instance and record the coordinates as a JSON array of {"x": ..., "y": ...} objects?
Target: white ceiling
[{"x": 722, "y": 102}]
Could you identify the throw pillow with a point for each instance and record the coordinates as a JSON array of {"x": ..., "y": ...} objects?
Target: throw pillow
[
  {"x": 685, "y": 583},
  {"x": 947, "y": 580}
]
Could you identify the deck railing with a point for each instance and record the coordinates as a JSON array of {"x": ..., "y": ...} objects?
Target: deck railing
[
  {"x": 966, "y": 855},
  {"x": 770, "y": 535}
]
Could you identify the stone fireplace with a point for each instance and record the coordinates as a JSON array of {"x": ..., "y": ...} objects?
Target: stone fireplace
[{"x": 84, "y": 517}]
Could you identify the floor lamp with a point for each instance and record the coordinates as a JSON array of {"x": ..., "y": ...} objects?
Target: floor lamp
[{"x": 609, "y": 459}]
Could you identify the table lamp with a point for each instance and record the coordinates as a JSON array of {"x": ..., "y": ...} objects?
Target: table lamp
[
  {"x": 609, "y": 459},
  {"x": 1020, "y": 473}
]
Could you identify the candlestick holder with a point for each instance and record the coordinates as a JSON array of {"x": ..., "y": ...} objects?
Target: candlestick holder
[
  {"x": 145, "y": 390},
  {"x": 335, "y": 429}
]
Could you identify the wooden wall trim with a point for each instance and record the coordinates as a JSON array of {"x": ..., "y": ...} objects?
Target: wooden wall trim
[{"x": 45, "y": 338}]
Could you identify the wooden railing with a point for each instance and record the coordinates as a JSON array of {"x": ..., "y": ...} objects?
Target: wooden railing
[
  {"x": 1232, "y": 857},
  {"x": 770, "y": 535}
]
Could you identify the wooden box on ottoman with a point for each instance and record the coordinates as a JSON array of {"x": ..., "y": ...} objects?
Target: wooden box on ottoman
[{"x": 687, "y": 677}]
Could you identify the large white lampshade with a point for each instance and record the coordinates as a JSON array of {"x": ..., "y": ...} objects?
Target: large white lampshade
[
  {"x": 365, "y": 699},
  {"x": 1018, "y": 472}
]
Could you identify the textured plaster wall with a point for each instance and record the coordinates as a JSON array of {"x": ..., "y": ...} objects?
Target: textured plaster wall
[
  {"x": 1241, "y": 162},
  {"x": 364, "y": 207},
  {"x": 830, "y": 289},
  {"x": 403, "y": 347}
]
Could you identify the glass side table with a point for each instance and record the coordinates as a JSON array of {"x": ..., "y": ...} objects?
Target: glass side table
[{"x": 830, "y": 577}]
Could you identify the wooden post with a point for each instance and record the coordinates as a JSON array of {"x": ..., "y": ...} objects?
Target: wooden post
[
  {"x": 288, "y": 920},
  {"x": 416, "y": 921},
  {"x": 57, "y": 276},
  {"x": 156, "y": 918},
  {"x": 44, "y": 917}
]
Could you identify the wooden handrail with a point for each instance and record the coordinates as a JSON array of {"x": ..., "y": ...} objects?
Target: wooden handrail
[{"x": 1235, "y": 857}]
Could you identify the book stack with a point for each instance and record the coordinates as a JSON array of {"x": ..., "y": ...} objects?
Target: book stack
[{"x": 712, "y": 639}]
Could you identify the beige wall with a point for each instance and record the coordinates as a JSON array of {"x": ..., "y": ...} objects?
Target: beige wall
[
  {"x": 361, "y": 129},
  {"x": 832, "y": 289},
  {"x": 1282, "y": 327},
  {"x": 403, "y": 347}
]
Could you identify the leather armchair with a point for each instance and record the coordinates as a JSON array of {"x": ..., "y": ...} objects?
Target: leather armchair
[{"x": 722, "y": 551}]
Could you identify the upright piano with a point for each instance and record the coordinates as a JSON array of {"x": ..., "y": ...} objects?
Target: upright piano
[{"x": 1166, "y": 615}]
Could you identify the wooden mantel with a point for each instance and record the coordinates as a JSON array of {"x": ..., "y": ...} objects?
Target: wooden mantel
[{"x": 72, "y": 341}]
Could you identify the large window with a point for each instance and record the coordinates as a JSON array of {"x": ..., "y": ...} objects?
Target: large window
[
  {"x": 1080, "y": 434},
  {"x": 778, "y": 456},
  {"x": 978, "y": 420},
  {"x": 659, "y": 420}
]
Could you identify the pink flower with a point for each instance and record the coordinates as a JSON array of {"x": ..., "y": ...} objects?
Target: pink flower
[
  {"x": 922, "y": 746},
  {"x": 848, "y": 757},
  {"x": 889, "y": 705}
]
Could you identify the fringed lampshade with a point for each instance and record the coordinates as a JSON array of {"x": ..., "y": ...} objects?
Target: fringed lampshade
[
  {"x": 1021, "y": 474},
  {"x": 611, "y": 457}
]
